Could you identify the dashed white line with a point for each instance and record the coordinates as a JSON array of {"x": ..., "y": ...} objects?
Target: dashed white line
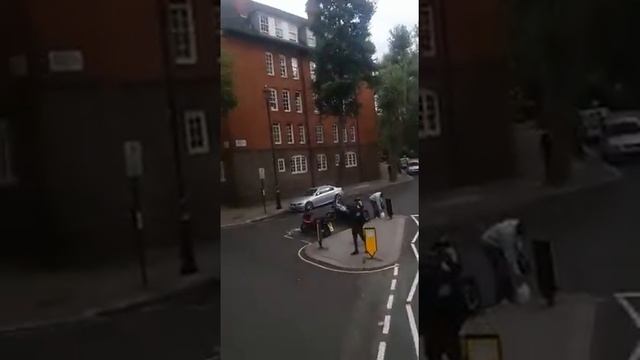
[
  {"x": 415, "y": 252},
  {"x": 414, "y": 330},
  {"x": 382, "y": 347},
  {"x": 393, "y": 284},
  {"x": 395, "y": 270},
  {"x": 390, "y": 302},
  {"x": 414, "y": 286},
  {"x": 387, "y": 324}
]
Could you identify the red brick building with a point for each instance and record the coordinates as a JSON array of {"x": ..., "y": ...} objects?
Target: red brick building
[
  {"x": 83, "y": 78},
  {"x": 271, "y": 48},
  {"x": 465, "y": 82}
]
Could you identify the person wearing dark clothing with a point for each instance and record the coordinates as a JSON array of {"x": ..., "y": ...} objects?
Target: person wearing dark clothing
[
  {"x": 443, "y": 308},
  {"x": 357, "y": 224}
]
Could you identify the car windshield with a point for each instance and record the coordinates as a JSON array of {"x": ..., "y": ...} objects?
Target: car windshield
[
  {"x": 311, "y": 192},
  {"x": 622, "y": 128}
]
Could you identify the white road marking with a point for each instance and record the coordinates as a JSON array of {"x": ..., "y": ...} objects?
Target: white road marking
[
  {"x": 415, "y": 237},
  {"x": 636, "y": 353},
  {"x": 395, "y": 270},
  {"x": 393, "y": 284},
  {"x": 342, "y": 271},
  {"x": 382, "y": 347},
  {"x": 414, "y": 286},
  {"x": 390, "y": 302},
  {"x": 415, "y": 252},
  {"x": 387, "y": 324},
  {"x": 415, "y": 218},
  {"x": 306, "y": 242},
  {"x": 633, "y": 314},
  {"x": 288, "y": 237},
  {"x": 414, "y": 330}
]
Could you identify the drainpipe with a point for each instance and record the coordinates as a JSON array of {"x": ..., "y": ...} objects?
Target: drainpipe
[{"x": 305, "y": 111}]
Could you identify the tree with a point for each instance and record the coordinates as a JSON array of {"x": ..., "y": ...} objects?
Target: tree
[
  {"x": 343, "y": 57},
  {"x": 228, "y": 100},
  {"x": 397, "y": 96}
]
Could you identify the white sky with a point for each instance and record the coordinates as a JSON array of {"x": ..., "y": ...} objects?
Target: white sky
[{"x": 388, "y": 14}]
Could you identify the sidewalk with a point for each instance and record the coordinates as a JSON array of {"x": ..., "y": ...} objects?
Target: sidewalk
[
  {"x": 533, "y": 332},
  {"x": 33, "y": 299},
  {"x": 338, "y": 247},
  {"x": 232, "y": 216},
  {"x": 468, "y": 204}
]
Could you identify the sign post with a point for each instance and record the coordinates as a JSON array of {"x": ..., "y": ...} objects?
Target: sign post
[
  {"x": 370, "y": 241},
  {"x": 134, "y": 170},
  {"x": 264, "y": 194}
]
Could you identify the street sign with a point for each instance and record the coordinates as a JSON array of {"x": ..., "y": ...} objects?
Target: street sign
[
  {"x": 133, "y": 158},
  {"x": 371, "y": 241},
  {"x": 261, "y": 173}
]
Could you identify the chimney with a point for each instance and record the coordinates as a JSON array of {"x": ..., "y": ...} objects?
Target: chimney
[{"x": 242, "y": 7}]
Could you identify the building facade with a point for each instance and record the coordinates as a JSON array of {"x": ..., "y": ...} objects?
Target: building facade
[
  {"x": 270, "y": 51},
  {"x": 78, "y": 88},
  {"x": 466, "y": 136}
]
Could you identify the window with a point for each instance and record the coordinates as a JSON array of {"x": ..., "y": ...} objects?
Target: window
[
  {"x": 298, "y": 102},
  {"x": 283, "y": 66},
  {"x": 311, "y": 39},
  {"x": 294, "y": 69},
  {"x": 337, "y": 159},
  {"x": 315, "y": 104},
  {"x": 279, "y": 31},
  {"x": 281, "y": 165},
  {"x": 319, "y": 134},
  {"x": 293, "y": 33},
  {"x": 321, "y": 160},
  {"x": 6, "y": 157},
  {"x": 273, "y": 99},
  {"x": 264, "y": 24},
  {"x": 376, "y": 104},
  {"x": 269, "y": 62},
  {"x": 298, "y": 164},
  {"x": 277, "y": 136},
  {"x": 427, "y": 32},
  {"x": 352, "y": 159},
  {"x": 334, "y": 132},
  {"x": 196, "y": 131},
  {"x": 286, "y": 104},
  {"x": 312, "y": 70},
  {"x": 182, "y": 31},
  {"x": 344, "y": 134},
  {"x": 290, "y": 138},
  {"x": 429, "y": 114},
  {"x": 302, "y": 134},
  {"x": 353, "y": 134},
  {"x": 222, "y": 177}
]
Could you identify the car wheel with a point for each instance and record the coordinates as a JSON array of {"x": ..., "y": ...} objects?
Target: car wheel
[{"x": 308, "y": 206}]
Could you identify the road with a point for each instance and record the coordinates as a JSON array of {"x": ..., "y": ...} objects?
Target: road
[
  {"x": 184, "y": 327},
  {"x": 276, "y": 306}
]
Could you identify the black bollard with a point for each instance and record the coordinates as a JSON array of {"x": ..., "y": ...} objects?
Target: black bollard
[
  {"x": 545, "y": 270},
  {"x": 389, "y": 208},
  {"x": 319, "y": 232}
]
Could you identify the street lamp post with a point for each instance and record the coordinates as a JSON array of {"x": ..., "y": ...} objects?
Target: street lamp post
[{"x": 267, "y": 97}]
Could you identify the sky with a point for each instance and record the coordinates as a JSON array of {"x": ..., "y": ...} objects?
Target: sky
[{"x": 388, "y": 14}]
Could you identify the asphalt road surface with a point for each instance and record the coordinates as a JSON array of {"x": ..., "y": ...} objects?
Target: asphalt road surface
[{"x": 275, "y": 306}]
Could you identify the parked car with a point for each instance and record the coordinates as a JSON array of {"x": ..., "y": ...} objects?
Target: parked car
[
  {"x": 316, "y": 196},
  {"x": 413, "y": 167},
  {"x": 621, "y": 136}
]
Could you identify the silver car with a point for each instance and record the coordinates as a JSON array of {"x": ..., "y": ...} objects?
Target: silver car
[{"x": 316, "y": 196}]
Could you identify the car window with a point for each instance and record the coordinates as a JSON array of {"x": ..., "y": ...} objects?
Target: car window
[{"x": 311, "y": 192}]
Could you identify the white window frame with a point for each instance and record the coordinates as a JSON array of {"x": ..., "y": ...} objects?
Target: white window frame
[
  {"x": 319, "y": 134},
  {"x": 427, "y": 32},
  {"x": 264, "y": 25},
  {"x": 302, "y": 134},
  {"x": 282, "y": 165},
  {"x": 298, "y": 101},
  {"x": 336, "y": 159},
  {"x": 335, "y": 133},
  {"x": 222, "y": 174},
  {"x": 353, "y": 133},
  {"x": 293, "y": 33},
  {"x": 276, "y": 132},
  {"x": 291, "y": 139},
  {"x": 312, "y": 70},
  {"x": 295, "y": 70},
  {"x": 279, "y": 29},
  {"x": 268, "y": 59},
  {"x": 283, "y": 66},
  {"x": 273, "y": 99},
  {"x": 315, "y": 106},
  {"x": 345, "y": 136},
  {"x": 192, "y": 117},
  {"x": 321, "y": 162},
  {"x": 8, "y": 177},
  {"x": 286, "y": 101},
  {"x": 351, "y": 159},
  {"x": 298, "y": 164},
  {"x": 427, "y": 130},
  {"x": 187, "y": 29}
]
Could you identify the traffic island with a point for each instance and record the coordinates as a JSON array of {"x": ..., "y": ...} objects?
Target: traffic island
[{"x": 337, "y": 248}]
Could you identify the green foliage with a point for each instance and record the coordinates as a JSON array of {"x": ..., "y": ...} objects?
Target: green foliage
[{"x": 228, "y": 100}]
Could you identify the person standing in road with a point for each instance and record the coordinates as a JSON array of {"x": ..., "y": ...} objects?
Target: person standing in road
[
  {"x": 357, "y": 224},
  {"x": 377, "y": 203}
]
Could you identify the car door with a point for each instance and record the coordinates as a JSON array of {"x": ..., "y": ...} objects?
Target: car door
[{"x": 328, "y": 195}]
